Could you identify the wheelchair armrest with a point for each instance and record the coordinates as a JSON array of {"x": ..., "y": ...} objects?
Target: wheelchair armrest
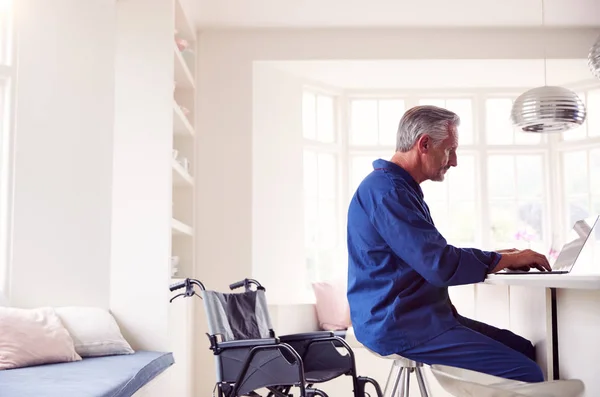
[
  {"x": 305, "y": 336},
  {"x": 236, "y": 344}
]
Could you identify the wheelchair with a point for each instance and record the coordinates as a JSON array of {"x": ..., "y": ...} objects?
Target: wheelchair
[{"x": 249, "y": 356}]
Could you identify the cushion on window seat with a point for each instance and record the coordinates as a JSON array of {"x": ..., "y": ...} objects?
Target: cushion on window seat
[{"x": 109, "y": 376}]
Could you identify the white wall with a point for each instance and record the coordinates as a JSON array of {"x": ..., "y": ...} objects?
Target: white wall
[
  {"x": 277, "y": 183},
  {"x": 63, "y": 152},
  {"x": 141, "y": 216},
  {"x": 225, "y": 215}
]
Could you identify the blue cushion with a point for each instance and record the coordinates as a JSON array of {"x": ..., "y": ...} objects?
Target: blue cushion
[{"x": 110, "y": 376}]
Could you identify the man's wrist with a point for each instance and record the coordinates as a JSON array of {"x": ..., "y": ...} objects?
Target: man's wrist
[{"x": 496, "y": 258}]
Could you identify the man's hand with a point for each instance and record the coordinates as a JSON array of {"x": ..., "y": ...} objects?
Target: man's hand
[{"x": 521, "y": 260}]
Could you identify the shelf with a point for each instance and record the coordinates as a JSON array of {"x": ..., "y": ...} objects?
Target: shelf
[
  {"x": 183, "y": 23},
  {"x": 180, "y": 228},
  {"x": 181, "y": 124},
  {"x": 180, "y": 176},
  {"x": 183, "y": 75}
]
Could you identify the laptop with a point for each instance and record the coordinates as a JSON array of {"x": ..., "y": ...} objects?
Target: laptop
[{"x": 578, "y": 236}]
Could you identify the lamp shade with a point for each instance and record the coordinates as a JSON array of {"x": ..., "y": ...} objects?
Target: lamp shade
[
  {"x": 594, "y": 58},
  {"x": 548, "y": 109}
]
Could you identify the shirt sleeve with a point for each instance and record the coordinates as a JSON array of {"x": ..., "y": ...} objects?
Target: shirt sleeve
[{"x": 401, "y": 222}]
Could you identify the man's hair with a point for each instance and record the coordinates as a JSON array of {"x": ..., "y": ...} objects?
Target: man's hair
[{"x": 420, "y": 120}]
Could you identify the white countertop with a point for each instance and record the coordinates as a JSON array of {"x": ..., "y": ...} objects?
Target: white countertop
[{"x": 571, "y": 281}]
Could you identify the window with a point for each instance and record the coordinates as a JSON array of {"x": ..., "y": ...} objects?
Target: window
[
  {"x": 579, "y": 155},
  {"x": 453, "y": 203},
  {"x": 498, "y": 128},
  {"x": 374, "y": 122},
  {"x": 6, "y": 83},
  {"x": 580, "y": 167},
  {"x": 516, "y": 200},
  {"x": 321, "y": 186},
  {"x": 581, "y": 176}
]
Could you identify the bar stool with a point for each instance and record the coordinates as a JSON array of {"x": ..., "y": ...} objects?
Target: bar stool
[
  {"x": 398, "y": 381},
  {"x": 462, "y": 382}
]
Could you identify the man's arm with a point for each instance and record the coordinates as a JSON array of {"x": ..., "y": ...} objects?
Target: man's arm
[{"x": 404, "y": 227}]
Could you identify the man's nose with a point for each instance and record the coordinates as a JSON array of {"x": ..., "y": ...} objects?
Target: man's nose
[{"x": 453, "y": 161}]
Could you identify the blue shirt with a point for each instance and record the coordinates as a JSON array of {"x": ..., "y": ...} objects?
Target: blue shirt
[{"x": 400, "y": 266}]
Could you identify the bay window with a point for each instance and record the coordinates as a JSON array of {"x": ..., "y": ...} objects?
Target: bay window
[{"x": 501, "y": 194}]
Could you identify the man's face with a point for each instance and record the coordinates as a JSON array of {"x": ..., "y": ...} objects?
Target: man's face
[{"x": 441, "y": 157}]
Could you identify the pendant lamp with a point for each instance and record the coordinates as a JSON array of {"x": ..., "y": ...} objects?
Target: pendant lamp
[
  {"x": 594, "y": 58},
  {"x": 548, "y": 108}
]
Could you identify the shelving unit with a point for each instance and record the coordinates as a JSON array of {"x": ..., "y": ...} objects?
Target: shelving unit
[{"x": 184, "y": 97}]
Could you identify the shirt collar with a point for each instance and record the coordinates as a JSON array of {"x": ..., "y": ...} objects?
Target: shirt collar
[{"x": 395, "y": 169}]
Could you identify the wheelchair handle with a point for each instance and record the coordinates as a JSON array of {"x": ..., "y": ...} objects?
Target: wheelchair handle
[
  {"x": 188, "y": 283},
  {"x": 246, "y": 283},
  {"x": 237, "y": 284},
  {"x": 176, "y": 286}
]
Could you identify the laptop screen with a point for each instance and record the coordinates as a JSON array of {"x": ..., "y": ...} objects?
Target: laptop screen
[{"x": 575, "y": 242}]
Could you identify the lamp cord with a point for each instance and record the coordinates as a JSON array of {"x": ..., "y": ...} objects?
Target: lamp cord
[{"x": 544, "y": 45}]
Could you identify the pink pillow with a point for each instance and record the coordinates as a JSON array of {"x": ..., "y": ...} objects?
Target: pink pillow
[
  {"x": 33, "y": 337},
  {"x": 333, "y": 310}
]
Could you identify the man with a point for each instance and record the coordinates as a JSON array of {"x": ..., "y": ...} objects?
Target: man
[{"x": 400, "y": 266}]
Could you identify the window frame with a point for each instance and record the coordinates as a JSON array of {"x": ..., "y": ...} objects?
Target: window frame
[
  {"x": 334, "y": 148},
  {"x": 9, "y": 82}
]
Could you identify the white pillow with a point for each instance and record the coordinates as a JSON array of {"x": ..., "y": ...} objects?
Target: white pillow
[
  {"x": 94, "y": 331},
  {"x": 33, "y": 337}
]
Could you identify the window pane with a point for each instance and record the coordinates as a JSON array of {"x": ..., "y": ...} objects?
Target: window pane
[
  {"x": 577, "y": 208},
  {"x": 328, "y": 264},
  {"x": 311, "y": 221},
  {"x": 327, "y": 224},
  {"x": 434, "y": 190},
  {"x": 439, "y": 215},
  {"x": 595, "y": 171},
  {"x": 501, "y": 176},
  {"x": 325, "y": 123},
  {"x": 363, "y": 123},
  {"x": 326, "y": 176},
  {"x": 504, "y": 222},
  {"x": 530, "y": 176},
  {"x": 575, "y": 174},
  {"x": 464, "y": 109},
  {"x": 390, "y": 113},
  {"x": 596, "y": 210},
  {"x": 309, "y": 116},
  {"x": 311, "y": 174},
  {"x": 360, "y": 166},
  {"x": 593, "y": 116},
  {"x": 499, "y": 130},
  {"x": 5, "y": 15},
  {"x": 579, "y": 132},
  {"x": 433, "y": 102},
  {"x": 463, "y": 218},
  {"x": 461, "y": 179},
  {"x": 531, "y": 216}
]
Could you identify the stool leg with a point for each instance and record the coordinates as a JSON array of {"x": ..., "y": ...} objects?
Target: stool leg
[
  {"x": 421, "y": 382},
  {"x": 390, "y": 379},
  {"x": 394, "y": 379},
  {"x": 405, "y": 391}
]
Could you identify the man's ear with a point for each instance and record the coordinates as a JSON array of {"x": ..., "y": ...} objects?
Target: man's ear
[{"x": 424, "y": 143}]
